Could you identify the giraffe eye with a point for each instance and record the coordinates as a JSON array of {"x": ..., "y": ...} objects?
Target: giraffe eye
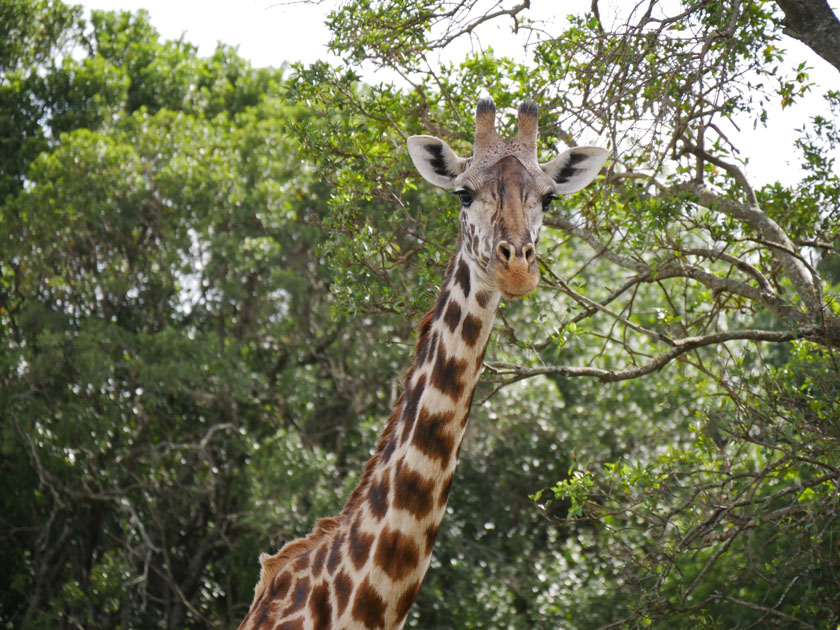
[
  {"x": 546, "y": 201},
  {"x": 465, "y": 196}
]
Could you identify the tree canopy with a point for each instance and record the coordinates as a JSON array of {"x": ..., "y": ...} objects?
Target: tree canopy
[{"x": 210, "y": 275}]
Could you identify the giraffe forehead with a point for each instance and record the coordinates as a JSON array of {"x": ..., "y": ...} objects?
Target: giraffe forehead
[
  {"x": 507, "y": 176},
  {"x": 510, "y": 175}
]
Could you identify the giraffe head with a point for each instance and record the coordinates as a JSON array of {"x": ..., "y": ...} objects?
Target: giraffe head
[{"x": 504, "y": 192}]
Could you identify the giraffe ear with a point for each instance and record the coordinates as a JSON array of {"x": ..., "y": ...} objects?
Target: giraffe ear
[
  {"x": 435, "y": 161},
  {"x": 572, "y": 170}
]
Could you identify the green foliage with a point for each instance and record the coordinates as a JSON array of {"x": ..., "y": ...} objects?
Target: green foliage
[
  {"x": 171, "y": 386},
  {"x": 31, "y": 33},
  {"x": 34, "y": 31},
  {"x": 742, "y": 512},
  {"x": 210, "y": 274}
]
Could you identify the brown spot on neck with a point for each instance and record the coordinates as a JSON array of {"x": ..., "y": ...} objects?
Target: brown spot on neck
[
  {"x": 405, "y": 601},
  {"x": 462, "y": 277},
  {"x": 433, "y": 436},
  {"x": 452, "y": 317},
  {"x": 300, "y": 593},
  {"x": 470, "y": 329},
  {"x": 343, "y": 586},
  {"x": 368, "y": 606},
  {"x": 413, "y": 492},
  {"x": 396, "y": 554},
  {"x": 320, "y": 607},
  {"x": 448, "y": 374},
  {"x": 359, "y": 544},
  {"x": 378, "y": 496}
]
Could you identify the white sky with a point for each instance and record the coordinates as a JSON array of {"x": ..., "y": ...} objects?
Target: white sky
[
  {"x": 271, "y": 32},
  {"x": 266, "y": 32}
]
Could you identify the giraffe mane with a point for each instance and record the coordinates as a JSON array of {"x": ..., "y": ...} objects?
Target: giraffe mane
[
  {"x": 272, "y": 564},
  {"x": 356, "y": 496}
]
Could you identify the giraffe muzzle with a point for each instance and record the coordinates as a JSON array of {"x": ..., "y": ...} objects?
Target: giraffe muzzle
[{"x": 514, "y": 268}]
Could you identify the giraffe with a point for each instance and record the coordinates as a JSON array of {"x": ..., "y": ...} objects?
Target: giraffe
[{"x": 362, "y": 569}]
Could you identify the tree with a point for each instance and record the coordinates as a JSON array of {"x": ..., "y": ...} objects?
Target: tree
[
  {"x": 176, "y": 395},
  {"x": 209, "y": 275},
  {"x": 719, "y": 511}
]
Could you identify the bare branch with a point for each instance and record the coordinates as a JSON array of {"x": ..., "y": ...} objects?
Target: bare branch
[
  {"x": 768, "y": 299},
  {"x": 765, "y": 609},
  {"x": 764, "y": 284},
  {"x": 681, "y": 346},
  {"x": 565, "y": 223},
  {"x": 736, "y": 173},
  {"x": 470, "y": 27},
  {"x": 777, "y": 306},
  {"x": 595, "y": 306},
  {"x": 753, "y": 216}
]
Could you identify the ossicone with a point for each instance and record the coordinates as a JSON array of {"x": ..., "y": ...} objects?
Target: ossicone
[
  {"x": 526, "y": 135},
  {"x": 485, "y": 125}
]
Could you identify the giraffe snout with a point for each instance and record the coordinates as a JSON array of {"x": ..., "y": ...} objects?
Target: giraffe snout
[{"x": 514, "y": 268}]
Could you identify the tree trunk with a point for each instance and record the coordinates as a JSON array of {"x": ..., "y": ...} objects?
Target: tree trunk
[{"x": 814, "y": 24}]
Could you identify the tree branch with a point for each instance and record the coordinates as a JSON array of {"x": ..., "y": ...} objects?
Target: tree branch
[
  {"x": 814, "y": 24},
  {"x": 681, "y": 346},
  {"x": 752, "y": 215},
  {"x": 592, "y": 306},
  {"x": 769, "y": 300},
  {"x": 764, "y": 609},
  {"x": 763, "y": 283},
  {"x": 565, "y": 223}
]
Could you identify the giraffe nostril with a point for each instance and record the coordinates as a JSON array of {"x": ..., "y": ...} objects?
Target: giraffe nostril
[
  {"x": 530, "y": 253},
  {"x": 504, "y": 250}
]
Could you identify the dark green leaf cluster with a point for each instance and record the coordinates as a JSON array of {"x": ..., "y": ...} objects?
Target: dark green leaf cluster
[{"x": 177, "y": 394}]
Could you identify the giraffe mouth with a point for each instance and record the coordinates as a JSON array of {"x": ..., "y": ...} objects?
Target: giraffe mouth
[
  {"x": 508, "y": 295},
  {"x": 515, "y": 284},
  {"x": 515, "y": 296}
]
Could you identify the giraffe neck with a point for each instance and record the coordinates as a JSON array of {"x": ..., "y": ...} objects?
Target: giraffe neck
[
  {"x": 396, "y": 510},
  {"x": 363, "y": 569}
]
